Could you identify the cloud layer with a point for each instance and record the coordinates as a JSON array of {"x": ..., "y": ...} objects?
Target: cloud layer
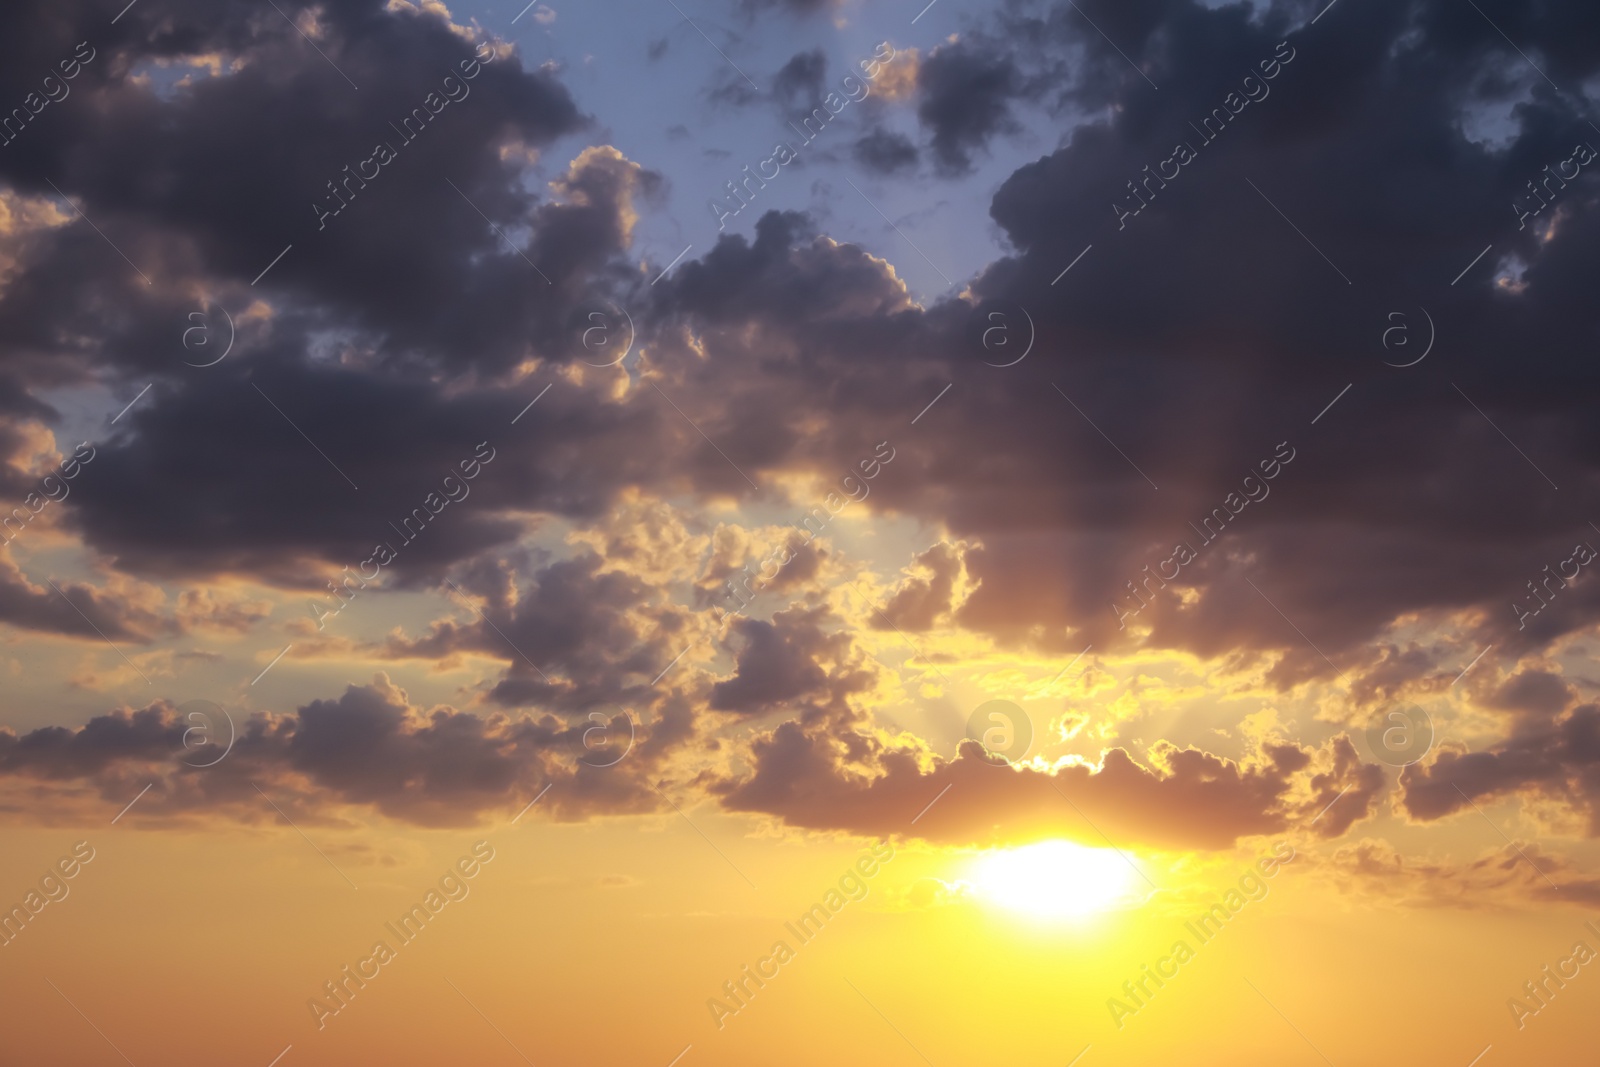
[{"x": 1204, "y": 278}]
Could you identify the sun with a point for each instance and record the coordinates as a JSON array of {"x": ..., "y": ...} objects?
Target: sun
[{"x": 1055, "y": 879}]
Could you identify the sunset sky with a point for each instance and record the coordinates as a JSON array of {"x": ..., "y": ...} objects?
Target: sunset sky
[{"x": 695, "y": 533}]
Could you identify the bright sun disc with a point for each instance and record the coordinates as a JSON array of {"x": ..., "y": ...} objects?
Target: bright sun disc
[{"x": 1054, "y": 879}]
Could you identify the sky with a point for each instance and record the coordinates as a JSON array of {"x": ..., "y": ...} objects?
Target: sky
[{"x": 1044, "y": 532}]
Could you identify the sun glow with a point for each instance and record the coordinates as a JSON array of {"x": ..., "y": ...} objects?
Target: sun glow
[{"x": 1055, "y": 879}]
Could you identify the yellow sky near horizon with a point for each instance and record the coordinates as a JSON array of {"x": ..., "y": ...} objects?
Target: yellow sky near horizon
[{"x": 604, "y": 942}]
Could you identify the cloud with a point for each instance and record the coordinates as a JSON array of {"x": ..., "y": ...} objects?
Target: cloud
[
  {"x": 182, "y": 173},
  {"x": 928, "y": 593},
  {"x": 786, "y": 663},
  {"x": 964, "y": 101},
  {"x": 1513, "y": 875},
  {"x": 1185, "y": 799},
  {"x": 1198, "y": 333},
  {"x": 800, "y": 81},
  {"x": 1555, "y": 758},
  {"x": 1540, "y": 694},
  {"x": 885, "y": 151},
  {"x": 569, "y": 637},
  {"x": 368, "y": 751},
  {"x": 76, "y": 609},
  {"x": 1346, "y": 792}
]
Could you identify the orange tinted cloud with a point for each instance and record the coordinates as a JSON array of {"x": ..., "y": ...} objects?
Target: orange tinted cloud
[{"x": 1187, "y": 799}]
